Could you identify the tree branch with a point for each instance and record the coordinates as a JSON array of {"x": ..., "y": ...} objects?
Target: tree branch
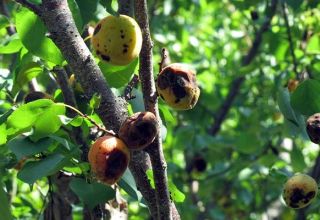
[
  {"x": 246, "y": 60},
  {"x": 291, "y": 47},
  {"x": 155, "y": 151}
]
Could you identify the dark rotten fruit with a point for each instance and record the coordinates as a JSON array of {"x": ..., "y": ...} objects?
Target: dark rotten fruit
[
  {"x": 139, "y": 130},
  {"x": 177, "y": 86},
  {"x": 117, "y": 39},
  {"x": 109, "y": 158},
  {"x": 313, "y": 128},
  {"x": 299, "y": 191}
]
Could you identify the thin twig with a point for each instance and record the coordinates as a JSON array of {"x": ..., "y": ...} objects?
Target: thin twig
[
  {"x": 33, "y": 7},
  {"x": 291, "y": 44},
  {"x": 246, "y": 60},
  {"x": 164, "y": 59},
  {"x": 128, "y": 90}
]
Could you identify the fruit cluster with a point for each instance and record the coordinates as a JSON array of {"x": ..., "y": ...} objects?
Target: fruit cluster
[{"x": 117, "y": 40}]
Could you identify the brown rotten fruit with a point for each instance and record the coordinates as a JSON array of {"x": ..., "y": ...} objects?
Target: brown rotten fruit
[
  {"x": 177, "y": 86},
  {"x": 313, "y": 128},
  {"x": 139, "y": 130},
  {"x": 299, "y": 191},
  {"x": 109, "y": 158}
]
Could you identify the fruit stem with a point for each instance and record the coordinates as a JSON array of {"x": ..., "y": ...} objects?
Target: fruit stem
[{"x": 90, "y": 119}]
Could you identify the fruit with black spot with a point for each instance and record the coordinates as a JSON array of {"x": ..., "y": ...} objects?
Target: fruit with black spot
[
  {"x": 313, "y": 128},
  {"x": 109, "y": 158},
  {"x": 33, "y": 96},
  {"x": 177, "y": 86},
  {"x": 139, "y": 130},
  {"x": 299, "y": 191},
  {"x": 117, "y": 39}
]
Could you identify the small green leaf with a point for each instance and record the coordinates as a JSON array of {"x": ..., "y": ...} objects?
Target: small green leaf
[
  {"x": 248, "y": 147},
  {"x": 4, "y": 21},
  {"x": 4, "y": 207},
  {"x": 108, "y": 5},
  {"x": 41, "y": 114},
  {"x": 297, "y": 159},
  {"x": 283, "y": 98},
  {"x": 64, "y": 142},
  {"x": 32, "y": 171},
  {"x": 128, "y": 184},
  {"x": 95, "y": 101},
  {"x": 22, "y": 146},
  {"x": 76, "y": 14},
  {"x": 149, "y": 173},
  {"x": 295, "y": 4},
  {"x": 32, "y": 33},
  {"x": 27, "y": 73},
  {"x": 3, "y": 134},
  {"x": 87, "y": 9},
  {"x": 175, "y": 193},
  {"x": 91, "y": 194},
  {"x": 12, "y": 47},
  {"x": 305, "y": 98},
  {"x": 118, "y": 76},
  {"x": 313, "y": 46}
]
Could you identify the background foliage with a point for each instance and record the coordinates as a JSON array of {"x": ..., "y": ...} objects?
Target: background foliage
[{"x": 261, "y": 142}]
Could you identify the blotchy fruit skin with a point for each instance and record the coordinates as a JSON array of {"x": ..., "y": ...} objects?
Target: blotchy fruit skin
[
  {"x": 117, "y": 39},
  {"x": 177, "y": 86},
  {"x": 109, "y": 158},
  {"x": 313, "y": 128},
  {"x": 299, "y": 191},
  {"x": 139, "y": 130}
]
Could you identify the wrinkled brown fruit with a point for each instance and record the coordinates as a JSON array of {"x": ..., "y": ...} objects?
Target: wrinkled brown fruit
[
  {"x": 177, "y": 86},
  {"x": 109, "y": 158},
  {"x": 313, "y": 128},
  {"x": 139, "y": 130}
]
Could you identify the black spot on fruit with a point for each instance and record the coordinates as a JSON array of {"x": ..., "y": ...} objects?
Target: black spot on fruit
[
  {"x": 125, "y": 50},
  {"x": 122, "y": 36},
  {"x": 97, "y": 29},
  {"x": 116, "y": 161},
  {"x": 105, "y": 57}
]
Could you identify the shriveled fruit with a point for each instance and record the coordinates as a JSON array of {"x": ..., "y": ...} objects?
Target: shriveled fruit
[
  {"x": 177, "y": 86},
  {"x": 32, "y": 96},
  {"x": 139, "y": 130},
  {"x": 109, "y": 158},
  {"x": 313, "y": 128},
  {"x": 299, "y": 191},
  {"x": 117, "y": 39}
]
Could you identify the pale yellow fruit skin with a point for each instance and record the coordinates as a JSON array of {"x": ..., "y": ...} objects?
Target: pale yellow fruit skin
[
  {"x": 299, "y": 191},
  {"x": 117, "y": 40}
]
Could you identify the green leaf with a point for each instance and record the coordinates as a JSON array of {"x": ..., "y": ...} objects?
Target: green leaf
[
  {"x": 12, "y": 47},
  {"x": 95, "y": 101},
  {"x": 283, "y": 98},
  {"x": 297, "y": 159},
  {"x": 4, "y": 207},
  {"x": 3, "y": 134},
  {"x": 4, "y": 21},
  {"x": 149, "y": 173},
  {"x": 5, "y": 116},
  {"x": 248, "y": 147},
  {"x": 295, "y": 4},
  {"x": 118, "y": 76},
  {"x": 76, "y": 14},
  {"x": 41, "y": 114},
  {"x": 175, "y": 193},
  {"x": 22, "y": 146},
  {"x": 108, "y": 5},
  {"x": 128, "y": 184},
  {"x": 305, "y": 98},
  {"x": 313, "y": 46},
  {"x": 27, "y": 73},
  {"x": 87, "y": 9},
  {"x": 64, "y": 142},
  {"x": 32, "y": 33},
  {"x": 91, "y": 194},
  {"x": 32, "y": 171}
]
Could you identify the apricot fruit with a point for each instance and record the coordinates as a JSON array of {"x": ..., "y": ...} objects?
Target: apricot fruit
[
  {"x": 313, "y": 128},
  {"x": 299, "y": 191},
  {"x": 177, "y": 86},
  {"x": 109, "y": 158},
  {"x": 139, "y": 130},
  {"x": 117, "y": 39}
]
